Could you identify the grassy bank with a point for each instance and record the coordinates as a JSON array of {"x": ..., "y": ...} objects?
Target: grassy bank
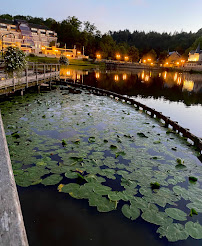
[
  {"x": 80, "y": 64},
  {"x": 38, "y": 59},
  {"x": 74, "y": 63}
]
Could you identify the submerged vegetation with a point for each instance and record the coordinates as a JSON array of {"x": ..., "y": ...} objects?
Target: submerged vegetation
[{"x": 85, "y": 148}]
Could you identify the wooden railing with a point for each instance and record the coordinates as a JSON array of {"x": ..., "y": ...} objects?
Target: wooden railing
[{"x": 34, "y": 73}]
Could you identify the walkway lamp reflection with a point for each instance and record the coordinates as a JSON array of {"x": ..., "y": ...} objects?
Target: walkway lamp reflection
[
  {"x": 124, "y": 76},
  {"x": 97, "y": 75},
  {"x": 116, "y": 78}
]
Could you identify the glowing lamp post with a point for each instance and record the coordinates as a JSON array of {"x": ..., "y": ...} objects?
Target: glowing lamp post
[
  {"x": 118, "y": 56},
  {"x": 126, "y": 58},
  {"x": 98, "y": 56}
]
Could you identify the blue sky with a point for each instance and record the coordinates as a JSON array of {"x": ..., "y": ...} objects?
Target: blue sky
[{"x": 147, "y": 15}]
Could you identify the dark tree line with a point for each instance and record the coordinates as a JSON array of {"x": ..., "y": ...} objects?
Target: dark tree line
[{"x": 72, "y": 31}]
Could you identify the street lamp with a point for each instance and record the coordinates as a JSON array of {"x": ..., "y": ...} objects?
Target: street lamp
[{"x": 2, "y": 40}]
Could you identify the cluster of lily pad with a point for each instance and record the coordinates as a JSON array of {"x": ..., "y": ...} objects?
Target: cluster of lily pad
[{"x": 95, "y": 148}]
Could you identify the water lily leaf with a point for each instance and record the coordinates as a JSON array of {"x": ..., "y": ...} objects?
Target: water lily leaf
[
  {"x": 52, "y": 179},
  {"x": 101, "y": 189},
  {"x": 174, "y": 232},
  {"x": 157, "y": 218},
  {"x": 114, "y": 196},
  {"x": 176, "y": 214},
  {"x": 70, "y": 187},
  {"x": 71, "y": 175},
  {"x": 130, "y": 212},
  {"x": 105, "y": 205},
  {"x": 194, "y": 229}
]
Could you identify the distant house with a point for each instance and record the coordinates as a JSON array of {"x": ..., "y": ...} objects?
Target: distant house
[
  {"x": 173, "y": 57},
  {"x": 195, "y": 55}
]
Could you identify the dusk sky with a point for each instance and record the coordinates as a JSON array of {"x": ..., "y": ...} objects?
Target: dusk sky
[{"x": 147, "y": 15}]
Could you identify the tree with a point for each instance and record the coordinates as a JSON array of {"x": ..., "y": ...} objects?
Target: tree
[
  {"x": 163, "y": 56},
  {"x": 133, "y": 53}
]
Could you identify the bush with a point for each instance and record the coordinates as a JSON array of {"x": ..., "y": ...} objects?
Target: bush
[
  {"x": 32, "y": 55},
  {"x": 63, "y": 60},
  {"x": 14, "y": 60}
]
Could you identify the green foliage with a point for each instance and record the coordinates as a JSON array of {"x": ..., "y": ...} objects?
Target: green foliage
[{"x": 15, "y": 60}]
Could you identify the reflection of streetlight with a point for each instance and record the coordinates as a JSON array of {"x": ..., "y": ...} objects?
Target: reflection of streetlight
[
  {"x": 124, "y": 76},
  {"x": 116, "y": 77},
  {"x": 97, "y": 75},
  {"x": 10, "y": 33},
  {"x": 68, "y": 73}
]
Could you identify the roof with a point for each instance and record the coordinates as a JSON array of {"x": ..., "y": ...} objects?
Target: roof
[
  {"x": 173, "y": 52},
  {"x": 198, "y": 49},
  {"x": 39, "y": 26},
  {"x": 17, "y": 21}
]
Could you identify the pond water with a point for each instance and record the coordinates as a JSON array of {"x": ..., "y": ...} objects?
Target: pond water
[
  {"x": 94, "y": 171},
  {"x": 177, "y": 95}
]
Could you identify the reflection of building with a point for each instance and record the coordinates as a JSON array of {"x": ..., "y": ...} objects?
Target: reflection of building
[
  {"x": 27, "y": 36},
  {"x": 195, "y": 55}
]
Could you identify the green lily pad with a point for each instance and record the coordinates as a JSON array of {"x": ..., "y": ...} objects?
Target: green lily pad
[
  {"x": 130, "y": 212},
  {"x": 71, "y": 175},
  {"x": 52, "y": 179},
  {"x": 157, "y": 218},
  {"x": 176, "y": 214},
  {"x": 194, "y": 229},
  {"x": 173, "y": 232}
]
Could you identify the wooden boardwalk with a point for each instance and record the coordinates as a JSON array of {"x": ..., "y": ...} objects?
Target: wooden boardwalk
[{"x": 38, "y": 74}]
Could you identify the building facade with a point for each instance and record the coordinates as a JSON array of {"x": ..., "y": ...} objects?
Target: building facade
[
  {"x": 195, "y": 55},
  {"x": 27, "y": 36}
]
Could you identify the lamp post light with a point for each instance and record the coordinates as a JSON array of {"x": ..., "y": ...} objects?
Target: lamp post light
[{"x": 2, "y": 50}]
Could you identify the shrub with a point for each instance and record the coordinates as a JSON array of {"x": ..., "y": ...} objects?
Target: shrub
[
  {"x": 63, "y": 60},
  {"x": 14, "y": 60}
]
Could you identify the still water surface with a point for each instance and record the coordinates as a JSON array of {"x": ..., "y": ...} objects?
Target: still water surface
[{"x": 177, "y": 95}]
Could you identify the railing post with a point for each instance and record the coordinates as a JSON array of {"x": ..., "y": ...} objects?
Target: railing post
[
  {"x": 37, "y": 74},
  {"x": 26, "y": 76},
  {"x": 44, "y": 71}
]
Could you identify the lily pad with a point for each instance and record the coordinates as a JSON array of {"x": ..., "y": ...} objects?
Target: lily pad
[
  {"x": 174, "y": 232},
  {"x": 176, "y": 214},
  {"x": 194, "y": 229},
  {"x": 130, "y": 212},
  {"x": 52, "y": 179}
]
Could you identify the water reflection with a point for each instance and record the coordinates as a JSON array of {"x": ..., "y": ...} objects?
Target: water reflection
[
  {"x": 178, "y": 95},
  {"x": 173, "y": 86}
]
